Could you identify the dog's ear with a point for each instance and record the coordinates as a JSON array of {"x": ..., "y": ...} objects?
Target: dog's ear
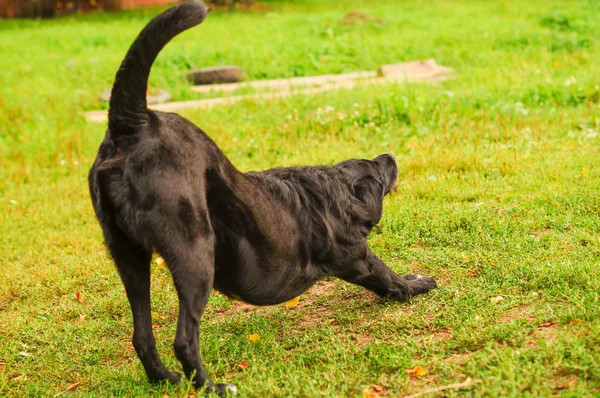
[{"x": 369, "y": 191}]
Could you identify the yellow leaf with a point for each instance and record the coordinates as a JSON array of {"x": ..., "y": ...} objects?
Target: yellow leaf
[
  {"x": 254, "y": 337},
  {"x": 497, "y": 299},
  {"x": 417, "y": 371},
  {"x": 293, "y": 303},
  {"x": 585, "y": 171}
]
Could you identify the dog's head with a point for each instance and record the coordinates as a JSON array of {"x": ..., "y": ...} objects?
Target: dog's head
[{"x": 370, "y": 181}]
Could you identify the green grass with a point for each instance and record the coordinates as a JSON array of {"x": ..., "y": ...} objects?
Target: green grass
[{"x": 498, "y": 195}]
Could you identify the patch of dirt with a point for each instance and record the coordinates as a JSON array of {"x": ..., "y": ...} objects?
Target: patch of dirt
[
  {"x": 539, "y": 233},
  {"x": 546, "y": 332},
  {"x": 523, "y": 312},
  {"x": 435, "y": 336},
  {"x": 357, "y": 16},
  {"x": 319, "y": 315},
  {"x": 320, "y": 289},
  {"x": 564, "y": 382},
  {"x": 459, "y": 359},
  {"x": 361, "y": 340}
]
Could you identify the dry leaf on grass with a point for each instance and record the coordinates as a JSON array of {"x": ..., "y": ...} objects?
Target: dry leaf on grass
[
  {"x": 254, "y": 337},
  {"x": 73, "y": 386},
  {"x": 243, "y": 365},
  {"x": 78, "y": 297},
  {"x": 497, "y": 299},
  {"x": 293, "y": 303},
  {"x": 417, "y": 371},
  {"x": 375, "y": 391}
]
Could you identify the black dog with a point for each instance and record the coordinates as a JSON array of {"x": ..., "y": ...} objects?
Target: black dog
[{"x": 160, "y": 183}]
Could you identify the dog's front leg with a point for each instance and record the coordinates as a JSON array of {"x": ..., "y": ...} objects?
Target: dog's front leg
[
  {"x": 373, "y": 274},
  {"x": 193, "y": 274}
]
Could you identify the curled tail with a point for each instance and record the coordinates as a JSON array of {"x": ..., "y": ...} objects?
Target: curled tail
[{"x": 128, "y": 109}]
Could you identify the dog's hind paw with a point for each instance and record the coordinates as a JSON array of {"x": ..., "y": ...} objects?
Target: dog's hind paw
[
  {"x": 170, "y": 376},
  {"x": 223, "y": 390}
]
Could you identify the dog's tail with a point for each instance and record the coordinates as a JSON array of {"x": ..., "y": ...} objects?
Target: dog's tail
[{"x": 128, "y": 108}]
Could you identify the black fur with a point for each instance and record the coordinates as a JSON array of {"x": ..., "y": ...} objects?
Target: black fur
[{"x": 159, "y": 183}]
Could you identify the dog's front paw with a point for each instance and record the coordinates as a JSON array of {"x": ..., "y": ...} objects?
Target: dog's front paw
[
  {"x": 222, "y": 390},
  {"x": 419, "y": 284}
]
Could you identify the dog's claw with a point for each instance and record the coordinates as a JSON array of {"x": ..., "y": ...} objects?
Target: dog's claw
[
  {"x": 223, "y": 390},
  {"x": 174, "y": 377},
  {"x": 420, "y": 284}
]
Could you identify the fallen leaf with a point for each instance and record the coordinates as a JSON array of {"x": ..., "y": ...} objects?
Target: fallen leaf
[
  {"x": 78, "y": 297},
  {"x": 18, "y": 377},
  {"x": 547, "y": 324},
  {"x": 368, "y": 393},
  {"x": 24, "y": 354},
  {"x": 293, "y": 303},
  {"x": 534, "y": 294},
  {"x": 417, "y": 371},
  {"x": 82, "y": 317},
  {"x": 465, "y": 258},
  {"x": 377, "y": 388},
  {"x": 192, "y": 394},
  {"x": 254, "y": 337},
  {"x": 585, "y": 171},
  {"x": 243, "y": 365},
  {"x": 73, "y": 386},
  {"x": 497, "y": 299}
]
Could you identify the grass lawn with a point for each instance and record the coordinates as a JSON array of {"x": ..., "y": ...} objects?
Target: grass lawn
[{"x": 498, "y": 195}]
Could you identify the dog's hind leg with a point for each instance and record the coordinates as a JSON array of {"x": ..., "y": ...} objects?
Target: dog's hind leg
[
  {"x": 133, "y": 263},
  {"x": 373, "y": 274},
  {"x": 192, "y": 267}
]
